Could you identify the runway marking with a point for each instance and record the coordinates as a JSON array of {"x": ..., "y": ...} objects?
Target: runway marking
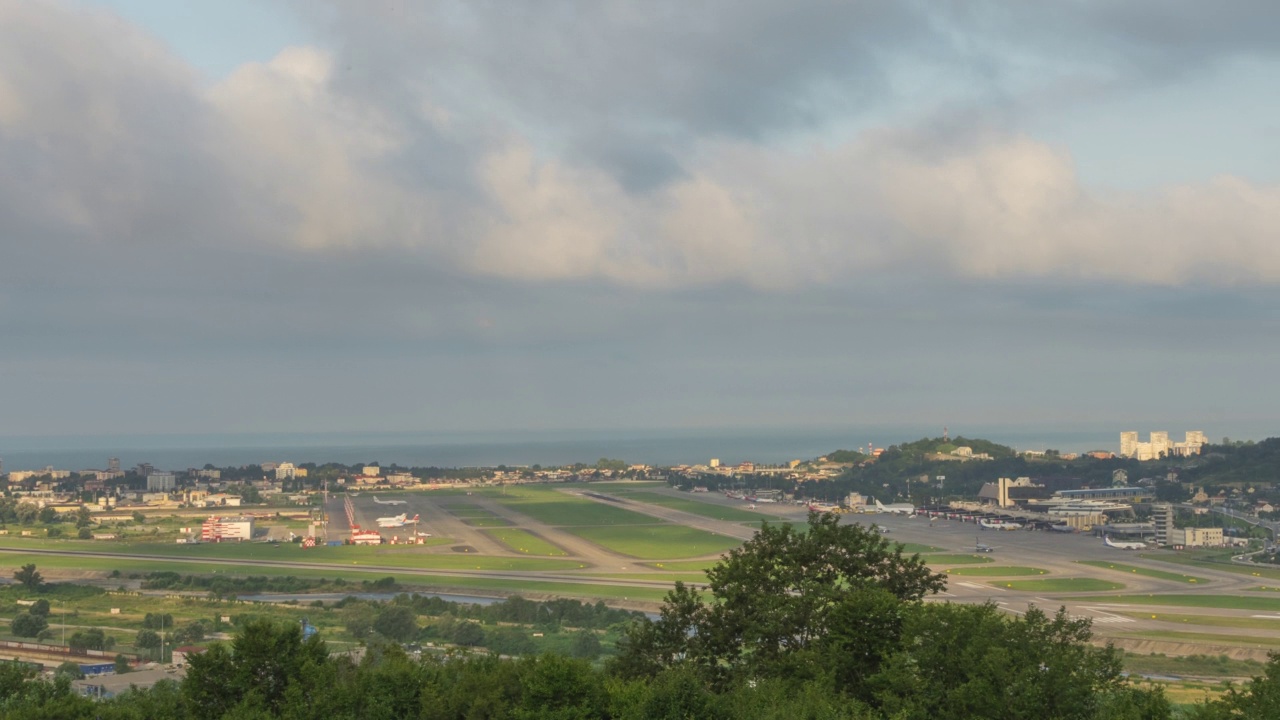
[
  {"x": 1105, "y": 618},
  {"x": 976, "y": 586},
  {"x": 1266, "y": 617}
]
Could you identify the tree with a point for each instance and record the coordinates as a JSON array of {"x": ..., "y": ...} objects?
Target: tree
[
  {"x": 85, "y": 534},
  {"x": 83, "y": 518},
  {"x": 28, "y": 576},
  {"x": 468, "y": 634},
  {"x": 28, "y": 625},
  {"x": 122, "y": 664},
  {"x": 39, "y": 607},
  {"x": 26, "y": 512},
  {"x": 48, "y": 515},
  {"x": 1258, "y": 698},
  {"x": 139, "y": 518},
  {"x": 93, "y": 639},
  {"x": 397, "y": 622},
  {"x": 69, "y": 670},
  {"x": 268, "y": 666},
  {"x": 147, "y": 639},
  {"x": 776, "y": 597},
  {"x": 585, "y": 645}
]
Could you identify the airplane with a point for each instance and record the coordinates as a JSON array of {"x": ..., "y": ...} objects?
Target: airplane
[
  {"x": 1062, "y": 528},
  {"x": 397, "y": 521},
  {"x": 1123, "y": 545},
  {"x": 999, "y": 525},
  {"x": 882, "y": 529},
  {"x": 982, "y": 547},
  {"x": 388, "y": 502},
  {"x": 896, "y": 508}
]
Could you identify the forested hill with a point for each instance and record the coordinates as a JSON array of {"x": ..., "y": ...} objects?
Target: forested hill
[{"x": 1255, "y": 465}]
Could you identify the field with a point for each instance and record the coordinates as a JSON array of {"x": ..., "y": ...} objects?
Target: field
[
  {"x": 523, "y": 541},
  {"x": 659, "y": 541},
  {"x": 562, "y": 510},
  {"x": 684, "y": 565},
  {"x": 1208, "y": 638},
  {"x": 1005, "y": 571},
  {"x": 955, "y": 559},
  {"x": 916, "y": 548},
  {"x": 1148, "y": 572},
  {"x": 694, "y": 507},
  {"x": 1207, "y": 620},
  {"x": 1227, "y": 602},
  {"x": 1061, "y": 585}
]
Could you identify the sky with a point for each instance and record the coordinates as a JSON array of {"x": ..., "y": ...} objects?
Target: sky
[{"x": 384, "y": 216}]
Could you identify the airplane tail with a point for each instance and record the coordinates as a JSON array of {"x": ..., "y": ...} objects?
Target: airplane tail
[
  {"x": 879, "y": 506},
  {"x": 415, "y": 518}
]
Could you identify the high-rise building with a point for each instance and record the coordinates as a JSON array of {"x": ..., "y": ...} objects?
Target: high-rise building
[
  {"x": 113, "y": 465},
  {"x": 1196, "y": 437},
  {"x": 1129, "y": 443},
  {"x": 1160, "y": 443}
]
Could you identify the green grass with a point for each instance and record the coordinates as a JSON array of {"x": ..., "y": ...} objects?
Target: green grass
[
  {"x": 483, "y": 522},
  {"x": 523, "y": 541},
  {"x": 564, "y": 510},
  {"x": 513, "y": 586},
  {"x": 954, "y": 559},
  {"x": 657, "y": 542},
  {"x": 1224, "y": 602},
  {"x": 1204, "y": 620},
  {"x": 688, "y": 578},
  {"x": 1061, "y": 585},
  {"x": 406, "y": 556},
  {"x": 1147, "y": 572},
  {"x": 1212, "y": 638},
  {"x": 684, "y": 565},
  {"x": 1002, "y": 571},
  {"x": 1197, "y": 665},
  {"x": 1214, "y": 560},
  {"x": 695, "y": 507},
  {"x": 915, "y": 548}
]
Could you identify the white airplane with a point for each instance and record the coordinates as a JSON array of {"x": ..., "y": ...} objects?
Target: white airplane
[
  {"x": 1123, "y": 545},
  {"x": 879, "y": 528},
  {"x": 397, "y": 521},
  {"x": 983, "y": 547},
  {"x": 896, "y": 508},
  {"x": 999, "y": 525},
  {"x": 388, "y": 502}
]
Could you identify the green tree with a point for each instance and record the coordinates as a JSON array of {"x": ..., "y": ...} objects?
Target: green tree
[
  {"x": 776, "y": 597},
  {"x": 92, "y": 639},
  {"x": 83, "y": 518},
  {"x": 1258, "y": 699},
  {"x": 139, "y": 518},
  {"x": 39, "y": 607},
  {"x": 585, "y": 645},
  {"x": 29, "y": 576},
  {"x": 468, "y": 634},
  {"x": 48, "y": 515},
  {"x": 122, "y": 664},
  {"x": 85, "y": 534},
  {"x": 267, "y": 668},
  {"x": 28, "y": 625},
  {"x": 26, "y": 512},
  {"x": 397, "y": 622},
  {"x": 147, "y": 639}
]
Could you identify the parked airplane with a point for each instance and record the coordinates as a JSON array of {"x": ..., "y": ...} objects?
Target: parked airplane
[
  {"x": 897, "y": 508},
  {"x": 1123, "y": 545},
  {"x": 397, "y": 521},
  {"x": 388, "y": 502},
  {"x": 1062, "y": 528},
  {"x": 999, "y": 525}
]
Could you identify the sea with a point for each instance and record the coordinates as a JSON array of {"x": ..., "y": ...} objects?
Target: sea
[{"x": 523, "y": 448}]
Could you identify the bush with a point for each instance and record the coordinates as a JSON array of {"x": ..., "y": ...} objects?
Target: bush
[{"x": 28, "y": 625}]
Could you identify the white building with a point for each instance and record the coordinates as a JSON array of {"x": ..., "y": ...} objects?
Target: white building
[
  {"x": 285, "y": 471},
  {"x": 218, "y": 529},
  {"x": 1129, "y": 443},
  {"x": 1199, "y": 537},
  {"x": 371, "y": 471},
  {"x": 161, "y": 481}
]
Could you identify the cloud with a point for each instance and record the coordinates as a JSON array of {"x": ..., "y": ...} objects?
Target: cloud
[{"x": 110, "y": 144}]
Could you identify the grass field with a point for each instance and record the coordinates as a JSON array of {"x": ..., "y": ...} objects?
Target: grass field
[
  {"x": 1196, "y": 665},
  {"x": 954, "y": 559},
  {"x": 1147, "y": 572},
  {"x": 684, "y": 565},
  {"x": 1206, "y": 638},
  {"x": 564, "y": 510},
  {"x": 688, "y": 578},
  {"x": 657, "y": 542},
  {"x": 1004, "y": 571},
  {"x": 1206, "y": 620},
  {"x": 1061, "y": 585},
  {"x": 1214, "y": 560},
  {"x": 914, "y": 548},
  {"x": 486, "y": 522},
  {"x": 523, "y": 541},
  {"x": 505, "y": 586},
  {"x": 346, "y": 555},
  {"x": 695, "y": 507},
  {"x": 1224, "y": 602}
]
